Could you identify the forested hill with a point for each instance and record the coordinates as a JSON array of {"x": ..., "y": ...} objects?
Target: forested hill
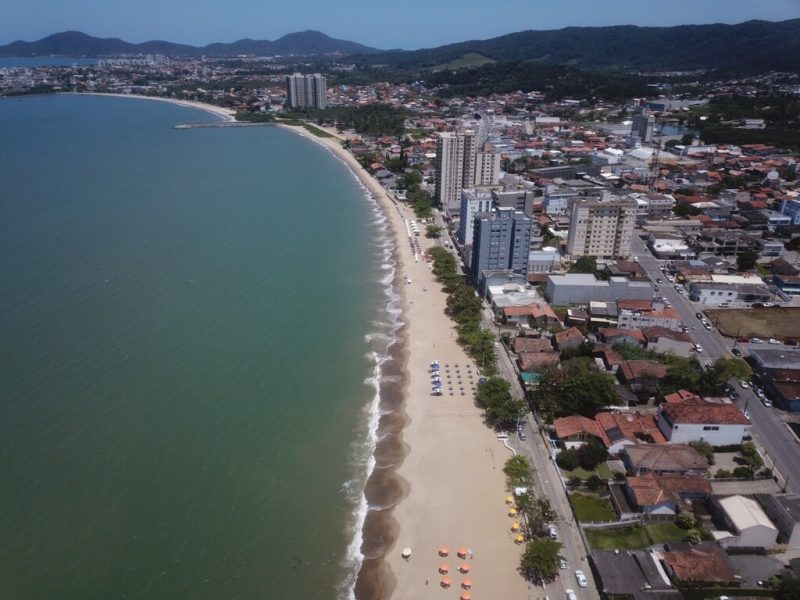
[
  {"x": 753, "y": 46},
  {"x": 75, "y": 43}
]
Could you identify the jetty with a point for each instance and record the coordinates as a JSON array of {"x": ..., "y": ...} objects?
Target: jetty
[{"x": 220, "y": 124}]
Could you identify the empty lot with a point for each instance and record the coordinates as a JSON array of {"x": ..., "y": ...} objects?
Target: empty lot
[{"x": 778, "y": 323}]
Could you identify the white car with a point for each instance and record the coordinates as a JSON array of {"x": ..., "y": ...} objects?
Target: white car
[
  {"x": 571, "y": 595},
  {"x": 698, "y": 348},
  {"x": 773, "y": 341},
  {"x": 562, "y": 563},
  {"x": 744, "y": 384},
  {"x": 756, "y": 340},
  {"x": 581, "y": 577}
]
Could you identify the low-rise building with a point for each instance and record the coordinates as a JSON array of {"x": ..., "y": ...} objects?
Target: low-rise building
[
  {"x": 779, "y": 370},
  {"x": 784, "y": 512},
  {"x": 666, "y": 340},
  {"x": 582, "y": 288},
  {"x": 663, "y": 494},
  {"x": 664, "y": 459},
  {"x": 693, "y": 421},
  {"x": 714, "y": 294},
  {"x": 747, "y": 522},
  {"x": 624, "y": 573},
  {"x": 638, "y": 314},
  {"x": 669, "y": 246},
  {"x": 642, "y": 375},
  {"x": 704, "y": 563}
]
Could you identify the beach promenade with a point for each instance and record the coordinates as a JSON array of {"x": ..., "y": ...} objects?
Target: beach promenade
[{"x": 453, "y": 469}]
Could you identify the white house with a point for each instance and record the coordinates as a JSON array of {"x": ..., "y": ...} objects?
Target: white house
[{"x": 717, "y": 424}]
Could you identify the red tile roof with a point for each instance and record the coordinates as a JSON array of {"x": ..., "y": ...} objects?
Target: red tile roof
[
  {"x": 707, "y": 564},
  {"x": 681, "y": 396},
  {"x": 634, "y": 369},
  {"x": 528, "y": 344},
  {"x": 567, "y": 427},
  {"x": 704, "y": 413},
  {"x": 629, "y": 426},
  {"x": 651, "y": 489}
]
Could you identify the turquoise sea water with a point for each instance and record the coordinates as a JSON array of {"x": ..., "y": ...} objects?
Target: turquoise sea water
[{"x": 183, "y": 314}]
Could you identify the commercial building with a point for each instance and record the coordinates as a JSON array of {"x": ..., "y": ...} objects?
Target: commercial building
[
  {"x": 518, "y": 199},
  {"x": 306, "y": 90},
  {"x": 747, "y": 521},
  {"x": 582, "y": 288},
  {"x": 601, "y": 228},
  {"x": 501, "y": 242},
  {"x": 791, "y": 208},
  {"x": 779, "y": 370},
  {"x": 714, "y": 293},
  {"x": 784, "y": 511}
]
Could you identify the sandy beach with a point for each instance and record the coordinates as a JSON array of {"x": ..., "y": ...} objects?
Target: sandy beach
[
  {"x": 227, "y": 114},
  {"x": 454, "y": 485}
]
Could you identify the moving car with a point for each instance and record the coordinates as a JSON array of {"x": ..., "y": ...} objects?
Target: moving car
[
  {"x": 736, "y": 352},
  {"x": 562, "y": 563},
  {"x": 571, "y": 595},
  {"x": 581, "y": 577}
]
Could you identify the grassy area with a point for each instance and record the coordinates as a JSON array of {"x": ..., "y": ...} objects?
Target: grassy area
[
  {"x": 466, "y": 61},
  {"x": 316, "y": 131},
  {"x": 622, "y": 538},
  {"x": 603, "y": 472},
  {"x": 778, "y": 323},
  {"x": 589, "y": 507},
  {"x": 665, "y": 532},
  {"x": 635, "y": 537}
]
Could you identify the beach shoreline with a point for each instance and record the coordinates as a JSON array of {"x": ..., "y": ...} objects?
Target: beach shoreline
[
  {"x": 446, "y": 476},
  {"x": 226, "y": 114}
]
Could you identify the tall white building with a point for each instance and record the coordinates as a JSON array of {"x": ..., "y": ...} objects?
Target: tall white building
[
  {"x": 473, "y": 202},
  {"x": 459, "y": 165},
  {"x": 601, "y": 228},
  {"x": 306, "y": 90}
]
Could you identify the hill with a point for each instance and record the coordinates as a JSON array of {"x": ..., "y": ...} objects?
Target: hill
[
  {"x": 75, "y": 43},
  {"x": 752, "y": 46}
]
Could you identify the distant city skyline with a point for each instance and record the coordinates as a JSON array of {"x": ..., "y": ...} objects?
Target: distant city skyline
[{"x": 411, "y": 25}]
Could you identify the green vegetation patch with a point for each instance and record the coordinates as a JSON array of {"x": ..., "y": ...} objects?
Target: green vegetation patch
[
  {"x": 621, "y": 538},
  {"x": 663, "y": 533},
  {"x": 466, "y": 61},
  {"x": 316, "y": 131},
  {"x": 589, "y": 508}
]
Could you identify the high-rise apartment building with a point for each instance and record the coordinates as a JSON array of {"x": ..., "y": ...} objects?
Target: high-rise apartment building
[
  {"x": 473, "y": 202},
  {"x": 306, "y": 90},
  {"x": 501, "y": 242},
  {"x": 601, "y": 227},
  {"x": 459, "y": 165},
  {"x": 643, "y": 125}
]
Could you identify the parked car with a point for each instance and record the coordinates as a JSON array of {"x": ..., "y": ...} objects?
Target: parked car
[
  {"x": 744, "y": 384},
  {"x": 581, "y": 577},
  {"x": 698, "y": 348},
  {"x": 790, "y": 342},
  {"x": 552, "y": 532},
  {"x": 699, "y": 316},
  {"x": 757, "y": 305},
  {"x": 736, "y": 352},
  {"x": 769, "y": 304},
  {"x": 571, "y": 595},
  {"x": 562, "y": 563},
  {"x": 766, "y": 402},
  {"x": 659, "y": 280},
  {"x": 773, "y": 341},
  {"x": 756, "y": 340}
]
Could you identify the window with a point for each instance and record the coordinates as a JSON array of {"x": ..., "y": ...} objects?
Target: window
[{"x": 711, "y": 428}]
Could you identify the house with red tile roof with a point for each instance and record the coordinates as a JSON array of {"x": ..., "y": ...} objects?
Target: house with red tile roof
[
  {"x": 614, "y": 429},
  {"x": 692, "y": 421},
  {"x": 705, "y": 563},
  {"x": 569, "y": 338},
  {"x": 641, "y": 375},
  {"x": 620, "y": 335},
  {"x": 664, "y": 459},
  {"x": 665, "y": 494},
  {"x": 531, "y": 344}
]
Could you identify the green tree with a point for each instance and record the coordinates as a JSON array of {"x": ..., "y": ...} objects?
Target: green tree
[
  {"x": 519, "y": 472},
  {"x": 584, "y": 264},
  {"x": 574, "y": 389},
  {"x": 725, "y": 369},
  {"x": 410, "y": 179},
  {"x": 591, "y": 454},
  {"x": 686, "y": 520},
  {"x": 433, "y": 231},
  {"x": 502, "y": 411},
  {"x": 751, "y": 457},
  {"x": 567, "y": 459},
  {"x": 694, "y": 536},
  {"x": 682, "y": 375},
  {"x": 788, "y": 588},
  {"x": 705, "y": 449},
  {"x": 723, "y": 474},
  {"x": 746, "y": 260},
  {"x": 539, "y": 562},
  {"x": 538, "y": 514},
  {"x": 574, "y": 481},
  {"x": 594, "y": 482}
]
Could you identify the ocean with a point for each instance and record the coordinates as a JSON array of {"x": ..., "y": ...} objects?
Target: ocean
[{"x": 193, "y": 326}]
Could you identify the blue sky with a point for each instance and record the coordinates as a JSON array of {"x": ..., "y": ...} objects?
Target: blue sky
[{"x": 408, "y": 24}]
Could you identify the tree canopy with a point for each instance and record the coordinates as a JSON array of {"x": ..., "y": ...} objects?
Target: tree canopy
[
  {"x": 539, "y": 563},
  {"x": 575, "y": 389},
  {"x": 502, "y": 411}
]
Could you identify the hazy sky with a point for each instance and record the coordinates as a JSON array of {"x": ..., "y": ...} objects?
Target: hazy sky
[{"x": 405, "y": 24}]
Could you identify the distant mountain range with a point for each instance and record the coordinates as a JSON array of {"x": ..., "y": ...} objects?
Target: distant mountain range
[
  {"x": 753, "y": 46},
  {"x": 749, "y": 46},
  {"x": 75, "y": 43}
]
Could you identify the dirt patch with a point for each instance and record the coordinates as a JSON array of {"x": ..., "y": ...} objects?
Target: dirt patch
[{"x": 778, "y": 323}]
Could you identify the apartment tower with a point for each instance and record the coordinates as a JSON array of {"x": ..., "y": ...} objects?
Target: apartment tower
[
  {"x": 306, "y": 90},
  {"x": 601, "y": 228}
]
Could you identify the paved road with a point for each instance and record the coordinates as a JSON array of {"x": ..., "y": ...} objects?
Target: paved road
[{"x": 768, "y": 430}]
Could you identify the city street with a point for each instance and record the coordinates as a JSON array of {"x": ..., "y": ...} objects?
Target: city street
[{"x": 768, "y": 430}]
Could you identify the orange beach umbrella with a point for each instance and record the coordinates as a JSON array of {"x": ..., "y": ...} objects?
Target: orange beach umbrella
[
  {"x": 444, "y": 551},
  {"x": 462, "y": 552},
  {"x": 444, "y": 568},
  {"x": 466, "y": 584},
  {"x": 445, "y": 582},
  {"x": 466, "y": 596},
  {"x": 464, "y": 568}
]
